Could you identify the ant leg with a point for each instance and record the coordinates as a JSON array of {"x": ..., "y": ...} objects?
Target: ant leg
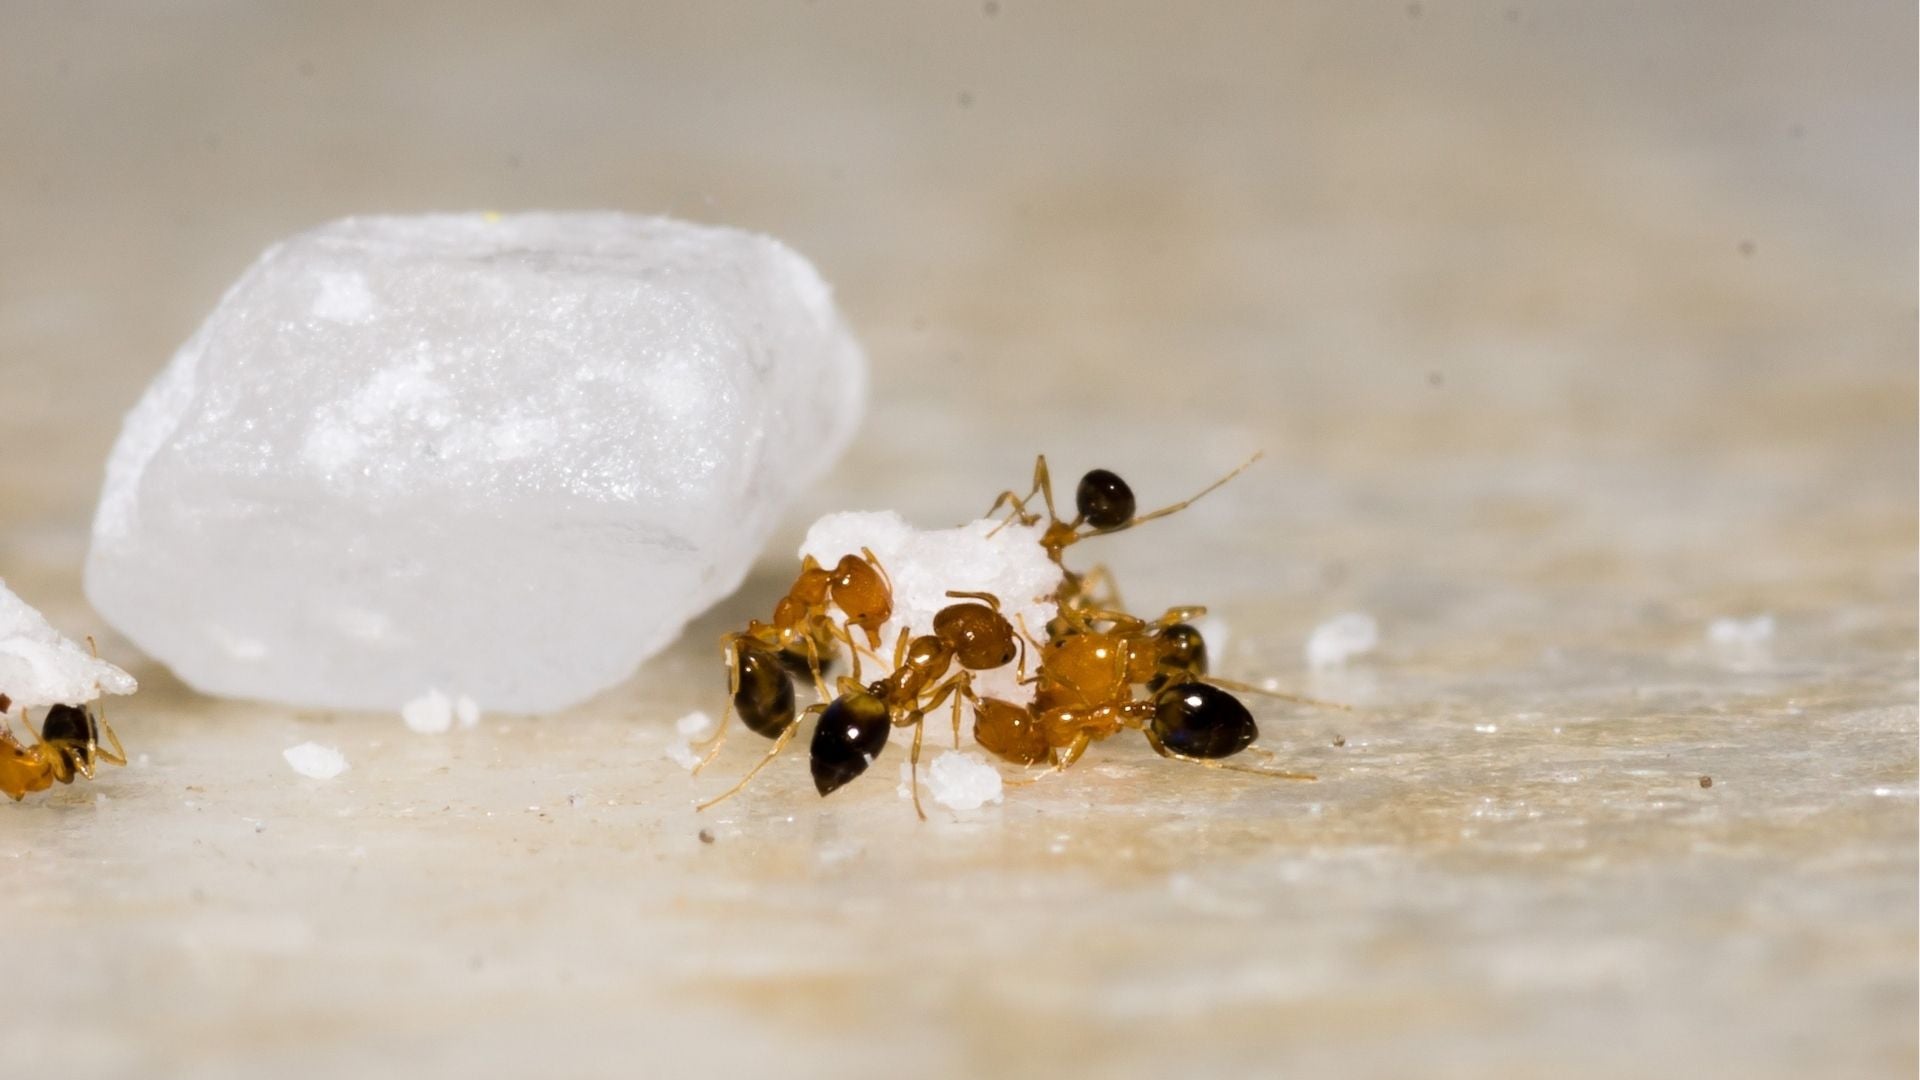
[
  {"x": 1020, "y": 618},
  {"x": 1042, "y": 486},
  {"x": 719, "y": 740},
  {"x": 1121, "y": 621},
  {"x": 813, "y": 667},
  {"x": 874, "y": 561},
  {"x": 1016, "y": 511},
  {"x": 118, "y": 756},
  {"x": 853, "y": 661},
  {"x": 1043, "y": 483},
  {"x": 1176, "y": 615},
  {"x": 732, "y": 658},
  {"x": 900, "y": 649},
  {"x": 1248, "y": 688},
  {"x": 1074, "y": 749},
  {"x": 1100, "y": 578},
  {"x": 956, "y": 720},
  {"x": 913, "y": 768},
  {"x": 986, "y": 597},
  {"x": 1141, "y": 519},
  {"x": 779, "y": 744},
  {"x": 1212, "y": 763}
]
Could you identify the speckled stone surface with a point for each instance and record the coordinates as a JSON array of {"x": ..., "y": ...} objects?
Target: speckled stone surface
[{"x": 1567, "y": 329}]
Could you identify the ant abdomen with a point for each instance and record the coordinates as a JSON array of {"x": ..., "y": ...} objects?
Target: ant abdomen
[
  {"x": 1104, "y": 500},
  {"x": 1196, "y": 720},
  {"x": 764, "y": 698},
  {"x": 67, "y": 723},
  {"x": 850, "y": 735}
]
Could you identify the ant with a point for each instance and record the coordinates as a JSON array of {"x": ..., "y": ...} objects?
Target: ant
[
  {"x": 1085, "y": 694},
  {"x": 1103, "y": 503},
  {"x": 854, "y": 726},
  {"x": 801, "y": 638},
  {"x": 67, "y": 745}
]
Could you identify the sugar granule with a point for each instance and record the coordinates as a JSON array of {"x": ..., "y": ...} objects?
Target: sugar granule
[
  {"x": 310, "y": 759},
  {"x": 923, "y": 564},
  {"x": 429, "y": 714},
  {"x": 1341, "y": 638},
  {"x": 956, "y": 779},
  {"x": 1741, "y": 633},
  {"x": 694, "y": 724},
  {"x": 467, "y": 710},
  {"x": 39, "y": 666}
]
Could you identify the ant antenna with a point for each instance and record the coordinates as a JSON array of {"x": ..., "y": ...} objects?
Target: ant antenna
[{"x": 1141, "y": 519}]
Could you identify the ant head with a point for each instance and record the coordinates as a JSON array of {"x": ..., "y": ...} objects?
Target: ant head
[
  {"x": 1185, "y": 648},
  {"x": 1104, "y": 500}
]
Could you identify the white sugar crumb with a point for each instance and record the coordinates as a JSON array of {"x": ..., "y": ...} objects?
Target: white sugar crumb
[
  {"x": 681, "y": 754},
  {"x": 1741, "y": 633},
  {"x": 429, "y": 714},
  {"x": 310, "y": 759},
  {"x": 1342, "y": 638},
  {"x": 694, "y": 725},
  {"x": 467, "y": 711},
  {"x": 956, "y": 779},
  {"x": 924, "y": 564},
  {"x": 38, "y": 666}
]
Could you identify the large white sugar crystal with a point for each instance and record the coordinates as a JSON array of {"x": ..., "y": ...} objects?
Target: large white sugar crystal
[
  {"x": 924, "y": 564},
  {"x": 39, "y": 667},
  {"x": 512, "y": 455}
]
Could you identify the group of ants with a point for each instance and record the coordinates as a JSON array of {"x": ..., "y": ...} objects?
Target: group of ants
[{"x": 1100, "y": 670}]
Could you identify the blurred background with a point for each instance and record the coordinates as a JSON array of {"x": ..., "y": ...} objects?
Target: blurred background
[{"x": 1566, "y": 328}]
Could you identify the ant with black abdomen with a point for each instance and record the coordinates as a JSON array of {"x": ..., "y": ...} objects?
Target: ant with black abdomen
[
  {"x": 67, "y": 745},
  {"x": 801, "y": 635},
  {"x": 1103, "y": 504},
  {"x": 854, "y": 726},
  {"x": 1088, "y": 672}
]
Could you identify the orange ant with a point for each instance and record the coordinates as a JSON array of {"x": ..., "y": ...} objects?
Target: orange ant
[
  {"x": 67, "y": 745},
  {"x": 853, "y": 728},
  {"x": 1085, "y": 694},
  {"x": 1103, "y": 503},
  {"x": 801, "y": 636}
]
